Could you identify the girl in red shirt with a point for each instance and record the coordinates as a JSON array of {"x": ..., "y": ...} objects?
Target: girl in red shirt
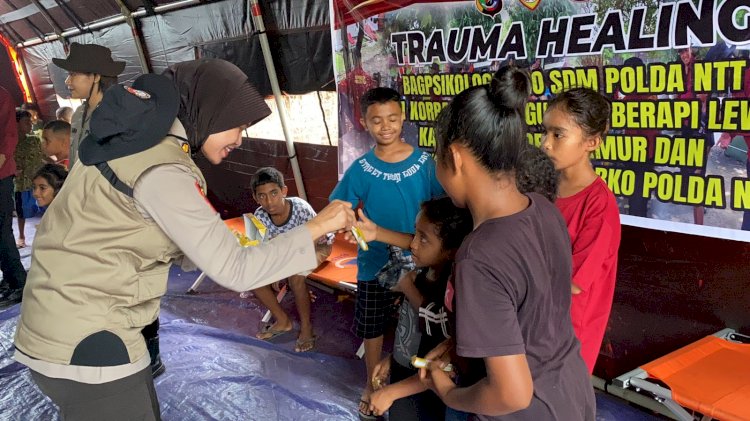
[{"x": 574, "y": 124}]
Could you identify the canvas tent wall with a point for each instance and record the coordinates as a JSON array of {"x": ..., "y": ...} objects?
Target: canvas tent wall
[
  {"x": 170, "y": 32},
  {"x": 151, "y": 35}
]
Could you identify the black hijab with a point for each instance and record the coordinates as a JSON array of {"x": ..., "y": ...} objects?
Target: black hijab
[{"x": 215, "y": 96}]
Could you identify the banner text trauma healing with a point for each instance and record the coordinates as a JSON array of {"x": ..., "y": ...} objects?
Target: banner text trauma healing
[{"x": 581, "y": 34}]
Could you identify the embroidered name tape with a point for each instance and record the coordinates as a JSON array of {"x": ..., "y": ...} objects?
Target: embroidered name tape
[{"x": 139, "y": 94}]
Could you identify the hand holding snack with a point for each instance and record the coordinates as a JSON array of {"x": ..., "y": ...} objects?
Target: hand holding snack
[
  {"x": 337, "y": 216},
  {"x": 381, "y": 373},
  {"x": 368, "y": 228},
  {"x": 436, "y": 378},
  {"x": 417, "y": 362},
  {"x": 359, "y": 238}
]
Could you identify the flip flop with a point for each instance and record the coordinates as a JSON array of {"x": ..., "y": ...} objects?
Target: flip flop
[
  {"x": 365, "y": 416},
  {"x": 267, "y": 329},
  {"x": 306, "y": 345}
]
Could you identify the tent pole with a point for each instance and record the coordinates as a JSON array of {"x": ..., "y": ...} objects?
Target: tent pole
[
  {"x": 136, "y": 33},
  {"x": 50, "y": 20},
  {"x": 271, "y": 69}
]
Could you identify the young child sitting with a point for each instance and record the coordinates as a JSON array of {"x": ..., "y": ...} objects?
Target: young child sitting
[
  {"x": 281, "y": 214},
  {"x": 575, "y": 123},
  {"x": 56, "y": 141},
  {"x": 390, "y": 181},
  {"x": 47, "y": 181}
]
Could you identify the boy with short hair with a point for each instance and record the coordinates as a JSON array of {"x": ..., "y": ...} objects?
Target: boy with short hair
[
  {"x": 281, "y": 214},
  {"x": 65, "y": 114},
  {"x": 390, "y": 181},
  {"x": 56, "y": 141}
]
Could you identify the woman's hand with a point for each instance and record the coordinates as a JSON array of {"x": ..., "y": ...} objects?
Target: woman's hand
[{"x": 338, "y": 215}]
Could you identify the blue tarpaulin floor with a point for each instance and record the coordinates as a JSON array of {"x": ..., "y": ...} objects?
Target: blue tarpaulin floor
[{"x": 217, "y": 370}]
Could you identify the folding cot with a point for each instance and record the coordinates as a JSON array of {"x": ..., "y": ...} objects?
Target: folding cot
[{"x": 709, "y": 378}]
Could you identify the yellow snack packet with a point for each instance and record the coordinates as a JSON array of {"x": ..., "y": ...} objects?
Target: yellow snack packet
[
  {"x": 357, "y": 233},
  {"x": 417, "y": 362},
  {"x": 244, "y": 240},
  {"x": 254, "y": 229}
]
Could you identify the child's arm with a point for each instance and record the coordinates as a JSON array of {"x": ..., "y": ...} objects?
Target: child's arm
[
  {"x": 592, "y": 248},
  {"x": 382, "y": 399},
  {"x": 507, "y": 388},
  {"x": 406, "y": 286},
  {"x": 373, "y": 232}
]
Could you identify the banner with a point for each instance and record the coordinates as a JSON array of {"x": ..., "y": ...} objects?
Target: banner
[{"x": 677, "y": 74}]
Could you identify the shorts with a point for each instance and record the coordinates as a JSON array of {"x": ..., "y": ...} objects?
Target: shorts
[
  {"x": 26, "y": 204},
  {"x": 375, "y": 306}
]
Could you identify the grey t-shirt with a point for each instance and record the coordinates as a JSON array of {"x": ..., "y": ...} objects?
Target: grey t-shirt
[
  {"x": 406, "y": 342},
  {"x": 512, "y": 290},
  {"x": 78, "y": 130}
]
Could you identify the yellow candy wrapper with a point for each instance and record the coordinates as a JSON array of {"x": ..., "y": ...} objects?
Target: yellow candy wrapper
[
  {"x": 244, "y": 240},
  {"x": 254, "y": 229},
  {"x": 417, "y": 362},
  {"x": 357, "y": 233}
]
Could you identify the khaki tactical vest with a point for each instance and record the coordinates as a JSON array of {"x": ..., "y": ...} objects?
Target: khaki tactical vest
[{"x": 99, "y": 268}]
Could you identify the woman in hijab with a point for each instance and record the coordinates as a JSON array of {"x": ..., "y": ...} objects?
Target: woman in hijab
[{"x": 138, "y": 204}]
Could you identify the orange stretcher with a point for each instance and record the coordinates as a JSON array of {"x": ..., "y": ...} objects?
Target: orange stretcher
[
  {"x": 339, "y": 270},
  {"x": 710, "y": 377}
]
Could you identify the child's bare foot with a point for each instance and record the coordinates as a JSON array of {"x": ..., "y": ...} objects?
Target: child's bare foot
[
  {"x": 364, "y": 403},
  {"x": 21, "y": 243},
  {"x": 274, "y": 330}
]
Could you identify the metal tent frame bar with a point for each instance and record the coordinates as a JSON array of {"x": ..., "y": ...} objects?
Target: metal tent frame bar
[{"x": 104, "y": 23}]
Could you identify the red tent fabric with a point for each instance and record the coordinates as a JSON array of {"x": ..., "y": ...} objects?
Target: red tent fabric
[{"x": 351, "y": 11}]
